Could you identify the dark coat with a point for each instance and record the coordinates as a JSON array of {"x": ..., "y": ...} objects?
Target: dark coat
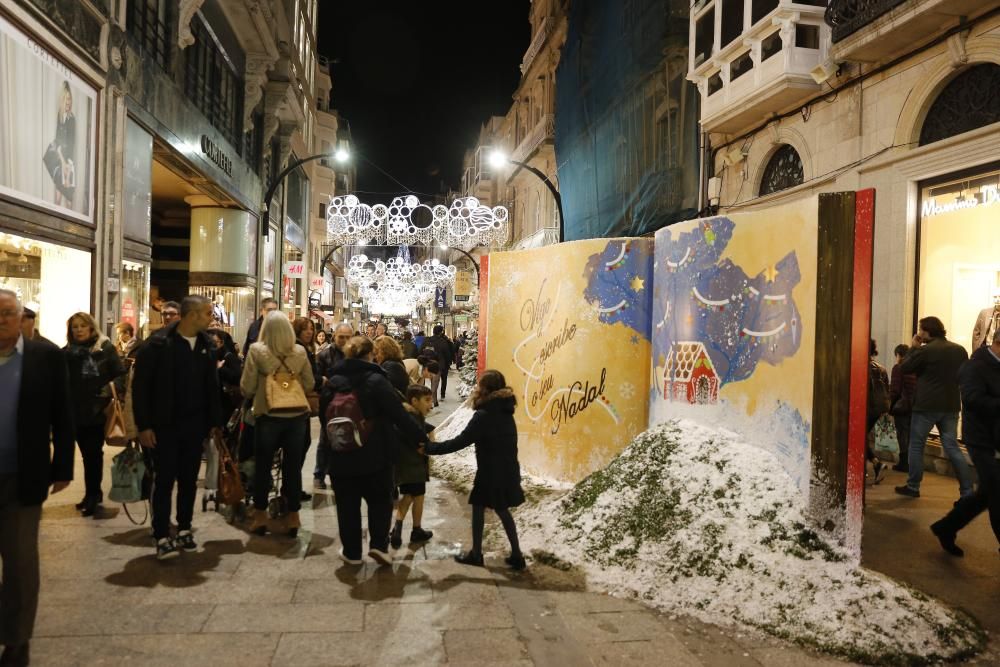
[
  {"x": 980, "y": 379},
  {"x": 409, "y": 349},
  {"x": 398, "y": 377},
  {"x": 412, "y": 467},
  {"x": 327, "y": 359},
  {"x": 90, "y": 394},
  {"x": 253, "y": 333},
  {"x": 317, "y": 378},
  {"x": 229, "y": 380},
  {"x": 492, "y": 429},
  {"x": 382, "y": 407},
  {"x": 902, "y": 389},
  {"x": 444, "y": 353},
  {"x": 154, "y": 378},
  {"x": 44, "y": 416},
  {"x": 936, "y": 366}
]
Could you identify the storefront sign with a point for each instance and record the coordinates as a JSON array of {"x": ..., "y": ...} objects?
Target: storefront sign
[
  {"x": 440, "y": 297},
  {"x": 128, "y": 312},
  {"x": 47, "y": 128},
  {"x": 988, "y": 196},
  {"x": 463, "y": 285},
  {"x": 295, "y": 269},
  {"x": 316, "y": 283},
  {"x": 216, "y": 155}
]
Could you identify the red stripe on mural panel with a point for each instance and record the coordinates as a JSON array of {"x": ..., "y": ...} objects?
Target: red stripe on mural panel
[
  {"x": 864, "y": 227},
  {"x": 484, "y": 310}
]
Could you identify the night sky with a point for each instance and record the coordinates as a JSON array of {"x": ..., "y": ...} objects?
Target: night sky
[{"x": 416, "y": 80}]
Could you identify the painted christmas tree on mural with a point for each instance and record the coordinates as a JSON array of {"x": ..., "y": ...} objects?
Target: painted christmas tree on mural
[{"x": 714, "y": 322}]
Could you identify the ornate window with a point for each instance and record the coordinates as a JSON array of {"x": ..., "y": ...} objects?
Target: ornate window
[
  {"x": 149, "y": 24},
  {"x": 971, "y": 100},
  {"x": 783, "y": 171},
  {"x": 212, "y": 84}
]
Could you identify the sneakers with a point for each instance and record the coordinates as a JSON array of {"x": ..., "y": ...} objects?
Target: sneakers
[
  {"x": 185, "y": 541},
  {"x": 420, "y": 535},
  {"x": 469, "y": 558},
  {"x": 947, "y": 539},
  {"x": 907, "y": 491},
  {"x": 165, "y": 549},
  {"x": 380, "y": 557},
  {"x": 396, "y": 535},
  {"x": 350, "y": 561},
  {"x": 516, "y": 562}
]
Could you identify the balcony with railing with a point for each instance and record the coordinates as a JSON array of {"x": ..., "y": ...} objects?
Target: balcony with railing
[
  {"x": 536, "y": 44},
  {"x": 874, "y": 30},
  {"x": 544, "y": 132},
  {"x": 751, "y": 58}
]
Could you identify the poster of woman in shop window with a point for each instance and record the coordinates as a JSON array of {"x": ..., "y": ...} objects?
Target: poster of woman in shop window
[{"x": 47, "y": 128}]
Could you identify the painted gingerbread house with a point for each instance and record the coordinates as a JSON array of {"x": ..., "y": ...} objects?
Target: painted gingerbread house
[{"x": 689, "y": 375}]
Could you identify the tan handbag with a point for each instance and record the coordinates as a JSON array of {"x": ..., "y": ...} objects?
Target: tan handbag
[
  {"x": 230, "y": 487},
  {"x": 284, "y": 392},
  {"x": 114, "y": 424}
]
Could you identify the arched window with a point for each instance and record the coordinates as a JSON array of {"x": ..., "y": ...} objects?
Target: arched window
[
  {"x": 783, "y": 171},
  {"x": 969, "y": 101}
]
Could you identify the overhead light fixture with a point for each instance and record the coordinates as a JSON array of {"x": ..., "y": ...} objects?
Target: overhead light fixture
[
  {"x": 497, "y": 159},
  {"x": 825, "y": 70},
  {"x": 341, "y": 156}
]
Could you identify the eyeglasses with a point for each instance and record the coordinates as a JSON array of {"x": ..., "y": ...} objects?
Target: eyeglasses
[
  {"x": 170, "y": 313},
  {"x": 8, "y": 314}
]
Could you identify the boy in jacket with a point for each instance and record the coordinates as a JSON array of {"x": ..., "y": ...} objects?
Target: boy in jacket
[{"x": 413, "y": 471}]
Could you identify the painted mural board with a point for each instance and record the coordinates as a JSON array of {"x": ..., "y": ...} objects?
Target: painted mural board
[
  {"x": 733, "y": 328},
  {"x": 574, "y": 346}
]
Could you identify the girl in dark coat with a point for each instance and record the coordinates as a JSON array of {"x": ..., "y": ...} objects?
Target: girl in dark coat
[
  {"x": 366, "y": 473},
  {"x": 227, "y": 360},
  {"x": 93, "y": 362},
  {"x": 498, "y": 474}
]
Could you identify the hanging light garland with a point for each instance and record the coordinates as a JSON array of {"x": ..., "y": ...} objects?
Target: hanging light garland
[
  {"x": 395, "y": 287},
  {"x": 406, "y": 221}
]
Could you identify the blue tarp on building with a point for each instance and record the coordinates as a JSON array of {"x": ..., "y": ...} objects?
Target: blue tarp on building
[{"x": 626, "y": 118}]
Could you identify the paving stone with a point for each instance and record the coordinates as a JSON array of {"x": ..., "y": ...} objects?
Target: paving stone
[
  {"x": 613, "y": 627},
  {"x": 264, "y": 617},
  {"x": 218, "y": 650},
  {"x": 368, "y": 648},
  {"x": 380, "y": 617},
  {"x": 484, "y": 646},
  {"x": 106, "y": 618}
]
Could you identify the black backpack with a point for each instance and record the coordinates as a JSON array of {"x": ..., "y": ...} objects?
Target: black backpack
[{"x": 878, "y": 390}]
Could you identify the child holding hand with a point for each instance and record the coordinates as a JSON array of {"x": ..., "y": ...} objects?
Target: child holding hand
[
  {"x": 498, "y": 474},
  {"x": 413, "y": 471}
]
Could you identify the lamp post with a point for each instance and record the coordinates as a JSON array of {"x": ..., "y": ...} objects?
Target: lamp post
[
  {"x": 498, "y": 160},
  {"x": 340, "y": 155}
]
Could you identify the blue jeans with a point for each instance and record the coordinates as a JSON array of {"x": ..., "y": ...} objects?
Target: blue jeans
[
  {"x": 947, "y": 424},
  {"x": 288, "y": 434}
]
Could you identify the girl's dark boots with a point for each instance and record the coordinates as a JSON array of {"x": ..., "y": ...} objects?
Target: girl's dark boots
[
  {"x": 420, "y": 535},
  {"x": 516, "y": 562},
  {"x": 396, "y": 536},
  {"x": 469, "y": 558}
]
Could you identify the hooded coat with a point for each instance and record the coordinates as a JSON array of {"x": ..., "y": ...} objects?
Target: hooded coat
[
  {"x": 492, "y": 429},
  {"x": 260, "y": 363},
  {"x": 381, "y": 406}
]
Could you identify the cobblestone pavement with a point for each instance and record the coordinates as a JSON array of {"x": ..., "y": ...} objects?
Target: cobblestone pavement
[{"x": 247, "y": 600}]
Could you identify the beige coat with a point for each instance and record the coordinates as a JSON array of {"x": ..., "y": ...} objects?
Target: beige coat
[{"x": 260, "y": 363}]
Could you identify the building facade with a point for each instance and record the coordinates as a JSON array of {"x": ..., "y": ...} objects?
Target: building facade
[
  {"x": 900, "y": 96},
  {"x": 159, "y": 126}
]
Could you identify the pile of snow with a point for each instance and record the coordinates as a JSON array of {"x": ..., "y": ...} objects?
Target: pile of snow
[{"x": 695, "y": 521}]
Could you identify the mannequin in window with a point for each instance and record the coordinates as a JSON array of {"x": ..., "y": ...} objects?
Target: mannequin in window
[
  {"x": 219, "y": 310},
  {"x": 987, "y": 322}
]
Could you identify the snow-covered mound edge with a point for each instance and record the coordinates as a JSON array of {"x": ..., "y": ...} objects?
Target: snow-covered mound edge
[{"x": 694, "y": 521}]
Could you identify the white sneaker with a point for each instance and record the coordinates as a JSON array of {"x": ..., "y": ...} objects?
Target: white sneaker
[
  {"x": 165, "y": 549},
  {"x": 380, "y": 557},
  {"x": 350, "y": 561}
]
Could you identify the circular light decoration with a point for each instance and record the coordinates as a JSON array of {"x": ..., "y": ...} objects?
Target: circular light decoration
[
  {"x": 395, "y": 287},
  {"x": 406, "y": 221}
]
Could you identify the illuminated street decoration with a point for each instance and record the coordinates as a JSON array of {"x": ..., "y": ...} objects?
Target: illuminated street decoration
[
  {"x": 466, "y": 223},
  {"x": 395, "y": 287}
]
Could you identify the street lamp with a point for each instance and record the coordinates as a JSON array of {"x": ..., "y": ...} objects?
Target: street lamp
[
  {"x": 341, "y": 155},
  {"x": 498, "y": 160}
]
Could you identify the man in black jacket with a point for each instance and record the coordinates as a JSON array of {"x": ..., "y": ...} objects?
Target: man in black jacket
[
  {"x": 326, "y": 360},
  {"x": 267, "y": 304},
  {"x": 980, "y": 378},
  {"x": 935, "y": 361},
  {"x": 34, "y": 411},
  {"x": 176, "y": 402},
  {"x": 444, "y": 354}
]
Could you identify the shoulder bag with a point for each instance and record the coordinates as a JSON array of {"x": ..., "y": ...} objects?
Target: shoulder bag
[
  {"x": 115, "y": 433},
  {"x": 284, "y": 391}
]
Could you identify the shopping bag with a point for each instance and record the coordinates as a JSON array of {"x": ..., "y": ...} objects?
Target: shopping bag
[
  {"x": 114, "y": 422},
  {"x": 884, "y": 436},
  {"x": 128, "y": 471}
]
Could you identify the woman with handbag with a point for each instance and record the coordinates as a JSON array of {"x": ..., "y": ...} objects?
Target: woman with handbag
[
  {"x": 275, "y": 377},
  {"x": 93, "y": 363}
]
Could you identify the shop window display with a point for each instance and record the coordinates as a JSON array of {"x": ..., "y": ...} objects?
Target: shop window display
[
  {"x": 959, "y": 279},
  {"x": 135, "y": 296},
  {"x": 233, "y": 308},
  {"x": 52, "y": 280}
]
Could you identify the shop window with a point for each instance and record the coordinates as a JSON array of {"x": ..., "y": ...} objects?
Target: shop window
[
  {"x": 148, "y": 25},
  {"x": 233, "y": 309},
  {"x": 783, "y": 171},
  {"x": 732, "y": 20},
  {"x": 968, "y": 102},
  {"x": 959, "y": 256},
  {"x": 135, "y": 296},
  {"x": 211, "y": 83},
  {"x": 52, "y": 280}
]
